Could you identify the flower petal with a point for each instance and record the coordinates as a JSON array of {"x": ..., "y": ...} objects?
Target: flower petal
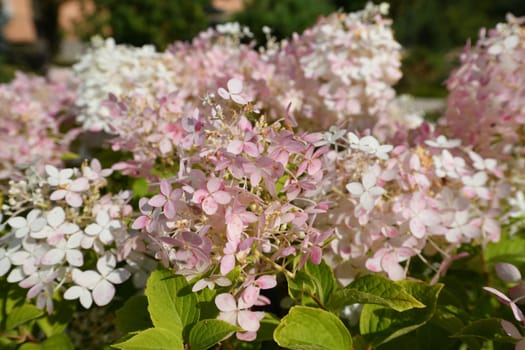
[
  {"x": 56, "y": 216},
  {"x": 17, "y": 222},
  {"x": 74, "y": 257},
  {"x": 355, "y": 188},
  {"x": 210, "y": 206},
  {"x": 118, "y": 276},
  {"x": 225, "y": 302},
  {"x": 510, "y": 329},
  {"x": 235, "y": 86},
  {"x": 222, "y": 197},
  {"x": 52, "y": 257},
  {"x": 79, "y": 185},
  {"x": 103, "y": 293},
  {"x": 235, "y": 147},
  {"x": 157, "y": 200},
  {"x": 508, "y": 272},
  {"x": 248, "y": 320},
  {"x": 74, "y": 199}
]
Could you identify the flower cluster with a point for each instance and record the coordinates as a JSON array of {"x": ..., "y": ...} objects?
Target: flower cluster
[
  {"x": 342, "y": 69},
  {"x": 108, "y": 68},
  {"x": 33, "y": 111},
  {"x": 392, "y": 204},
  {"x": 487, "y": 90},
  {"x": 58, "y": 228},
  {"x": 240, "y": 201}
]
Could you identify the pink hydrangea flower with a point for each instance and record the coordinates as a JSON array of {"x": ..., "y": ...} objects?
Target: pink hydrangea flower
[
  {"x": 71, "y": 192},
  {"x": 167, "y": 199},
  {"x": 212, "y": 196}
]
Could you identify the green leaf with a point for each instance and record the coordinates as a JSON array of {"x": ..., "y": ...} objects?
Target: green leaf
[
  {"x": 506, "y": 250},
  {"x": 58, "y": 342},
  {"x": 485, "y": 329},
  {"x": 133, "y": 315},
  {"x": 207, "y": 333},
  {"x": 171, "y": 303},
  {"x": 153, "y": 339},
  {"x": 300, "y": 287},
  {"x": 31, "y": 346},
  {"x": 381, "y": 324},
  {"x": 206, "y": 305},
  {"x": 307, "y": 328},
  {"x": 268, "y": 325},
  {"x": 10, "y": 297},
  {"x": 448, "y": 318},
  {"x": 57, "y": 322},
  {"x": 323, "y": 279},
  {"x": 313, "y": 285},
  {"x": 22, "y": 314},
  {"x": 374, "y": 289}
]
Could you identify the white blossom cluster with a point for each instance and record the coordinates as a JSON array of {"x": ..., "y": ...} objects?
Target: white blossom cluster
[
  {"x": 70, "y": 241},
  {"x": 108, "y": 68}
]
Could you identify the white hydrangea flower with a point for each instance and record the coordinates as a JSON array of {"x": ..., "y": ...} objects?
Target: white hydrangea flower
[
  {"x": 234, "y": 92},
  {"x": 27, "y": 259},
  {"x": 68, "y": 249},
  {"x": 57, "y": 227},
  {"x": 517, "y": 205},
  {"x": 367, "y": 191},
  {"x": 58, "y": 177},
  {"x": 79, "y": 291},
  {"x": 442, "y": 142},
  {"x": 370, "y": 145},
  {"x": 6, "y": 255},
  {"x": 475, "y": 185},
  {"x": 33, "y": 223},
  {"x": 101, "y": 229},
  {"x": 101, "y": 282}
]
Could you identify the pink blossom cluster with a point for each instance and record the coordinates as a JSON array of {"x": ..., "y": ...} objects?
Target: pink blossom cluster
[
  {"x": 240, "y": 202},
  {"x": 33, "y": 111},
  {"x": 393, "y": 204},
  {"x": 487, "y": 91},
  {"x": 340, "y": 71},
  {"x": 63, "y": 235},
  {"x": 260, "y": 198}
]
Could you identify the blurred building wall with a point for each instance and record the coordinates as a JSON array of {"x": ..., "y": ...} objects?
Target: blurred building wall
[
  {"x": 228, "y": 6},
  {"x": 20, "y": 27}
]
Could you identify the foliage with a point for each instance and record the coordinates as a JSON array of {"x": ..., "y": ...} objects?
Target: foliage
[
  {"x": 284, "y": 17},
  {"x": 147, "y": 22}
]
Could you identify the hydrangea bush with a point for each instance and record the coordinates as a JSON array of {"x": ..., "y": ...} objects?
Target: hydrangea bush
[{"x": 275, "y": 197}]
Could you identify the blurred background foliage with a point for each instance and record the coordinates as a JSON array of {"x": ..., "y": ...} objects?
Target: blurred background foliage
[
  {"x": 140, "y": 22},
  {"x": 432, "y": 32}
]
